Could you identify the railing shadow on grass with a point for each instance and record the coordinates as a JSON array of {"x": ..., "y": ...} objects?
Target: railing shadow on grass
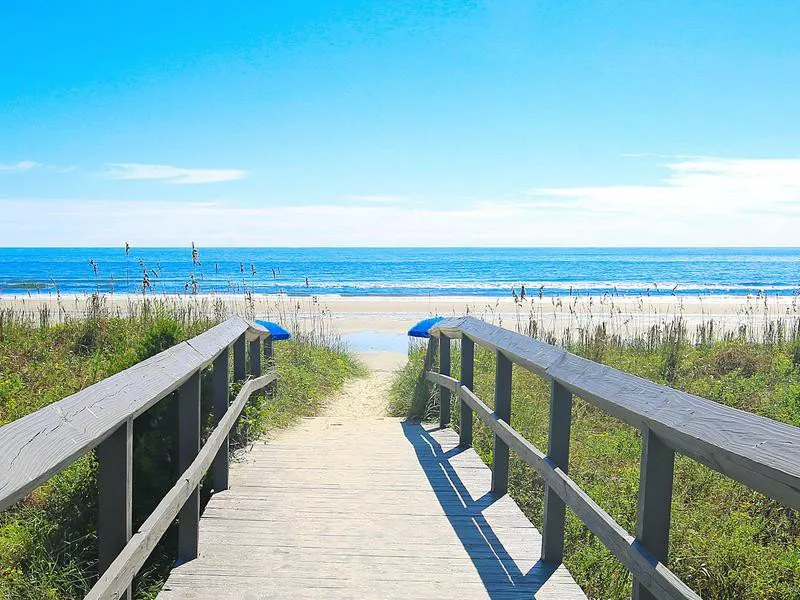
[{"x": 498, "y": 570}]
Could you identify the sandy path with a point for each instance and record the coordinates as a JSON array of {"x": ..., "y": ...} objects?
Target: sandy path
[{"x": 366, "y": 397}]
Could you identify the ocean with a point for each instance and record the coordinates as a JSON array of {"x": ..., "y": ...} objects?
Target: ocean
[{"x": 403, "y": 271}]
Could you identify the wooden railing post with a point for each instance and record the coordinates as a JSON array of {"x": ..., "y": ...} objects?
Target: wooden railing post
[
  {"x": 115, "y": 502},
  {"x": 655, "y": 500},
  {"x": 467, "y": 370},
  {"x": 444, "y": 369},
  {"x": 239, "y": 358},
  {"x": 255, "y": 357},
  {"x": 269, "y": 361},
  {"x": 558, "y": 452},
  {"x": 188, "y": 447},
  {"x": 502, "y": 408},
  {"x": 220, "y": 384},
  {"x": 430, "y": 353}
]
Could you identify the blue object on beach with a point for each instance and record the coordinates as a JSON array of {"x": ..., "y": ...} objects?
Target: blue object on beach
[
  {"x": 276, "y": 331},
  {"x": 423, "y": 328}
]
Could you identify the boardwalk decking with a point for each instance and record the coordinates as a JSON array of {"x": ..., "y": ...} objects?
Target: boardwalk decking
[{"x": 369, "y": 508}]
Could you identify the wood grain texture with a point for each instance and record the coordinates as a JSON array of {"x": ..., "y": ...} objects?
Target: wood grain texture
[
  {"x": 115, "y": 495},
  {"x": 118, "y": 576},
  {"x": 756, "y": 451},
  {"x": 655, "y": 502},
  {"x": 35, "y": 447},
  {"x": 401, "y": 514},
  {"x": 558, "y": 451},
  {"x": 648, "y": 571}
]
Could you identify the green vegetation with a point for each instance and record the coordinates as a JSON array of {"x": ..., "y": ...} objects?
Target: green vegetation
[
  {"x": 48, "y": 547},
  {"x": 726, "y": 540}
]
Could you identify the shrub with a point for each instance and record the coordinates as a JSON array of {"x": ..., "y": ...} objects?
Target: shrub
[
  {"x": 162, "y": 333},
  {"x": 745, "y": 359}
]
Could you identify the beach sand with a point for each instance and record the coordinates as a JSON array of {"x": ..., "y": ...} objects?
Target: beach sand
[{"x": 395, "y": 315}]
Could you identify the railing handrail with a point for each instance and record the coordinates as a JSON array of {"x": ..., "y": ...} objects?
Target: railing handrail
[
  {"x": 39, "y": 445},
  {"x": 621, "y": 543},
  {"x": 101, "y": 417},
  {"x": 760, "y": 453},
  {"x": 118, "y": 576}
]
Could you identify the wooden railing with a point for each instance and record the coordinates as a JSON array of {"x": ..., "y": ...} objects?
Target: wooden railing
[
  {"x": 39, "y": 445},
  {"x": 758, "y": 452}
]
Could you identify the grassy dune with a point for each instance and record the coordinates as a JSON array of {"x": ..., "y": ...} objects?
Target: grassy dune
[
  {"x": 48, "y": 546},
  {"x": 726, "y": 541}
]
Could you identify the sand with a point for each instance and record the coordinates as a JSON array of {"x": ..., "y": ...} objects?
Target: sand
[
  {"x": 395, "y": 315},
  {"x": 364, "y": 397}
]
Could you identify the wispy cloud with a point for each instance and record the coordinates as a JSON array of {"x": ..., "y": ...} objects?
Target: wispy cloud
[
  {"x": 695, "y": 188},
  {"x": 18, "y": 167},
  {"x": 171, "y": 174},
  {"x": 699, "y": 202}
]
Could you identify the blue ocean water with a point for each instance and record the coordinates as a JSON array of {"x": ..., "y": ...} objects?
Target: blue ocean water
[{"x": 403, "y": 271}]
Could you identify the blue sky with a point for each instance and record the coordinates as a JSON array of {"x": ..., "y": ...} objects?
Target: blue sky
[{"x": 400, "y": 123}]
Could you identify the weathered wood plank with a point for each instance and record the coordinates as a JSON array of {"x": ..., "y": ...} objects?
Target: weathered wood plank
[
  {"x": 558, "y": 451},
  {"x": 115, "y": 495},
  {"x": 648, "y": 570},
  {"x": 35, "y": 447},
  {"x": 402, "y": 514},
  {"x": 121, "y": 572},
  {"x": 756, "y": 451},
  {"x": 655, "y": 502}
]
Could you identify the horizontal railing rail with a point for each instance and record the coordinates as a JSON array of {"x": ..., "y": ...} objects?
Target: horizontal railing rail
[
  {"x": 756, "y": 451},
  {"x": 121, "y": 572},
  {"x": 39, "y": 445}
]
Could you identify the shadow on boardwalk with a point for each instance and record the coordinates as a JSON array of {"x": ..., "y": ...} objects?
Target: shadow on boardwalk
[{"x": 498, "y": 570}]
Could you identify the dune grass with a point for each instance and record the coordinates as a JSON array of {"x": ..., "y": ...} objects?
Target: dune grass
[
  {"x": 48, "y": 546},
  {"x": 726, "y": 540}
]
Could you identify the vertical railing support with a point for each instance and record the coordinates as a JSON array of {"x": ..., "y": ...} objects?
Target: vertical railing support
[
  {"x": 115, "y": 502},
  {"x": 655, "y": 500},
  {"x": 269, "y": 361},
  {"x": 444, "y": 369},
  {"x": 188, "y": 447},
  {"x": 558, "y": 453},
  {"x": 502, "y": 408},
  {"x": 430, "y": 354},
  {"x": 255, "y": 357},
  {"x": 467, "y": 370},
  {"x": 220, "y": 383},
  {"x": 239, "y": 358}
]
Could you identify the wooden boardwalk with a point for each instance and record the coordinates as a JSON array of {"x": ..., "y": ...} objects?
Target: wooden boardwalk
[
  {"x": 351, "y": 506},
  {"x": 365, "y": 508}
]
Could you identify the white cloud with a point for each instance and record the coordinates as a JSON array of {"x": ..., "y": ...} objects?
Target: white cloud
[
  {"x": 700, "y": 202},
  {"x": 17, "y": 167},
  {"x": 697, "y": 187},
  {"x": 171, "y": 174}
]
